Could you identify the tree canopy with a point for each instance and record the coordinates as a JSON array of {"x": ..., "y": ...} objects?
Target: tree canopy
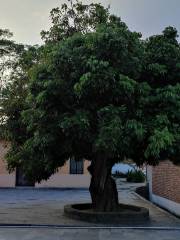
[
  {"x": 76, "y": 17},
  {"x": 90, "y": 95},
  {"x": 15, "y": 61},
  {"x": 81, "y": 97}
]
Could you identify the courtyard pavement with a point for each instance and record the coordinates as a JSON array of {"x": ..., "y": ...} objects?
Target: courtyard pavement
[
  {"x": 45, "y": 207},
  {"x": 87, "y": 234}
]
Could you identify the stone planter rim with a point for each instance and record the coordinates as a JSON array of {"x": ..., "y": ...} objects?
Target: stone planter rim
[{"x": 134, "y": 214}]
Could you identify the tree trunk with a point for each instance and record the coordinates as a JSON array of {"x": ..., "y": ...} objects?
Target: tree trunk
[{"x": 102, "y": 188}]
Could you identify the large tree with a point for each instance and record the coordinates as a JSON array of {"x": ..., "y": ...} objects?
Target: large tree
[
  {"x": 85, "y": 96},
  {"x": 162, "y": 72},
  {"x": 103, "y": 94},
  {"x": 15, "y": 61},
  {"x": 9, "y": 55}
]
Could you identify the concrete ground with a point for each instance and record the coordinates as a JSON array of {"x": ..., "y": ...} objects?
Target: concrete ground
[
  {"x": 88, "y": 234},
  {"x": 45, "y": 206}
]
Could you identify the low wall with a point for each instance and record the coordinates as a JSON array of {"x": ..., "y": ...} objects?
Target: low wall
[{"x": 171, "y": 206}]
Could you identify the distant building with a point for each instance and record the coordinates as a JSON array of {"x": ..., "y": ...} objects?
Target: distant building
[
  {"x": 72, "y": 174},
  {"x": 164, "y": 186}
]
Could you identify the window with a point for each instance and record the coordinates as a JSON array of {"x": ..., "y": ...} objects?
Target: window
[
  {"x": 76, "y": 167},
  {"x": 21, "y": 180}
]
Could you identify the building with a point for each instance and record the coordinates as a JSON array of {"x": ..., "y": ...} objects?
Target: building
[
  {"x": 164, "y": 186},
  {"x": 72, "y": 175}
]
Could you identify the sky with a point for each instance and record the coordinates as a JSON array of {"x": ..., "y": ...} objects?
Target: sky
[{"x": 26, "y": 18}]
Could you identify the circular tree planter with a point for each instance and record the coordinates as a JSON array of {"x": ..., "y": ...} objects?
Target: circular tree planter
[{"x": 125, "y": 214}]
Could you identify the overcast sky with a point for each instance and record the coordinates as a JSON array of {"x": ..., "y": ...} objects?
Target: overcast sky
[{"x": 26, "y": 18}]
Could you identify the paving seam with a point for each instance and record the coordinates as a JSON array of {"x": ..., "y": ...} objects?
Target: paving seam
[{"x": 25, "y": 226}]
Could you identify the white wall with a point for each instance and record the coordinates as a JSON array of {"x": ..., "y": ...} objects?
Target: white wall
[{"x": 167, "y": 204}]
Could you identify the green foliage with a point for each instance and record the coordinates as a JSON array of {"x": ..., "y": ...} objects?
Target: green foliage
[
  {"x": 162, "y": 58},
  {"x": 75, "y": 17},
  {"x": 7, "y": 47},
  {"x": 80, "y": 97},
  {"x": 159, "y": 141},
  {"x": 136, "y": 176},
  {"x": 8, "y": 53},
  {"x": 94, "y": 89},
  {"x": 16, "y": 60}
]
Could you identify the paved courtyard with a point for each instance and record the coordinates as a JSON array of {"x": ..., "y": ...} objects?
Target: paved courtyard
[
  {"x": 45, "y": 206},
  {"x": 88, "y": 234}
]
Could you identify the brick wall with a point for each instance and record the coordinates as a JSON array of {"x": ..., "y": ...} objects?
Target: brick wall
[{"x": 166, "y": 181}]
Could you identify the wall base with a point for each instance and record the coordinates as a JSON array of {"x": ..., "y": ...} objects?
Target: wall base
[{"x": 171, "y": 206}]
